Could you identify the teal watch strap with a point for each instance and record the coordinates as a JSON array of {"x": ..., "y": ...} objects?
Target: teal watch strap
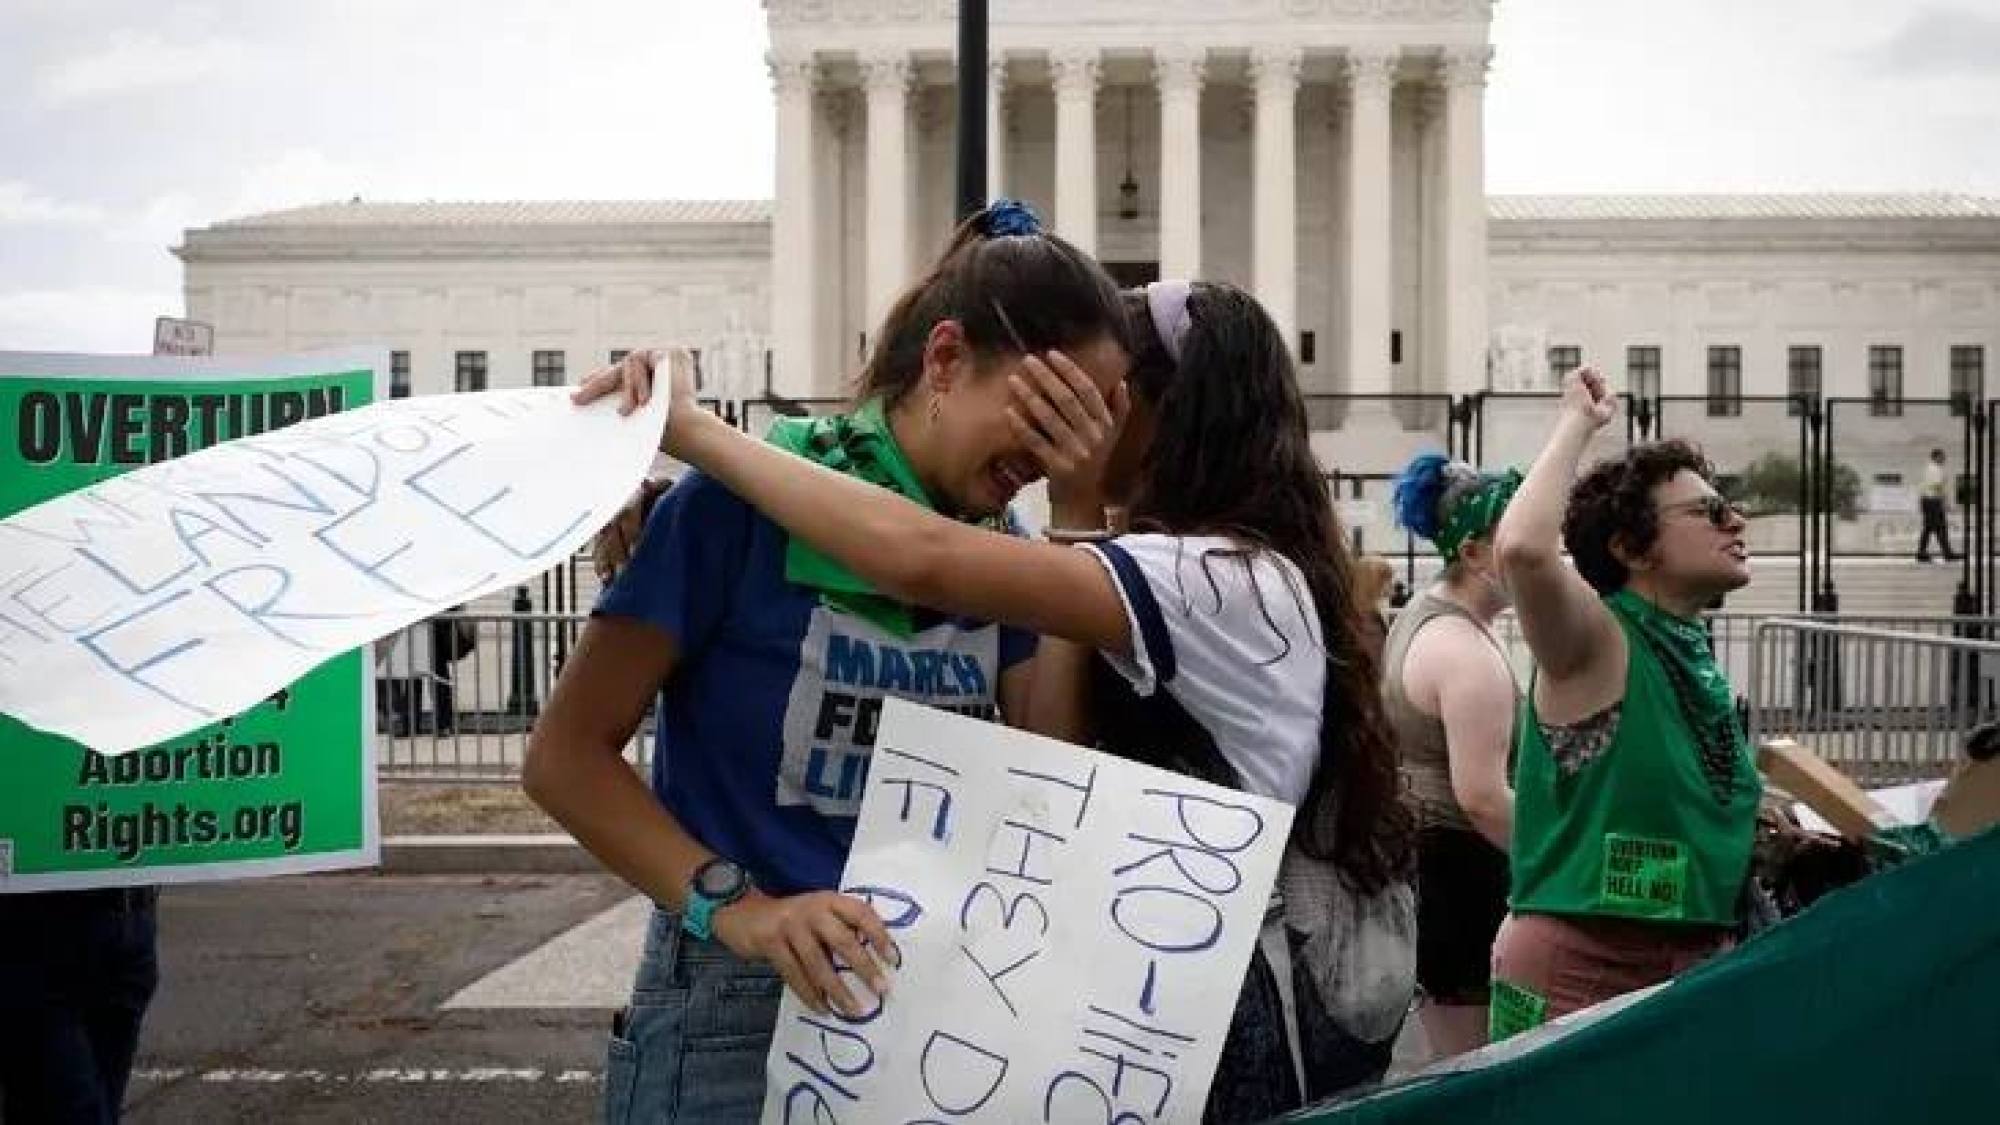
[
  {"x": 698, "y": 919},
  {"x": 715, "y": 885}
]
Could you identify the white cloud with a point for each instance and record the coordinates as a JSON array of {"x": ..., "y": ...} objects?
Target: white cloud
[
  {"x": 133, "y": 62},
  {"x": 21, "y": 206},
  {"x": 1942, "y": 41},
  {"x": 159, "y": 222},
  {"x": 83, "y": 319},
  {"x": 293, "y": 178}
]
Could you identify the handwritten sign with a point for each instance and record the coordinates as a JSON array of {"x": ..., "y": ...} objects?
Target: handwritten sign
[
  {"x": 285, "y": 786},
  {"x": 183, "y": 592},
  {"x": 1074, "y": 930}
]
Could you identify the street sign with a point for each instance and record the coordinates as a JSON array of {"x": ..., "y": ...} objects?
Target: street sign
[{"x": 173, "y": 336}]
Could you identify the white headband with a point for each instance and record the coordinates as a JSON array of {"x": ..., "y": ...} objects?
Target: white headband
[{"x": 1168, "y": 302}]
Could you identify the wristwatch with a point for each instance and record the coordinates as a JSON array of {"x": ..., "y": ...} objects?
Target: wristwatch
[{"x": 715, "y": 885}]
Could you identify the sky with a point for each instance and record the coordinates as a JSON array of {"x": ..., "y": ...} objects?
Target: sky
[{"x": 125, "y": 122}]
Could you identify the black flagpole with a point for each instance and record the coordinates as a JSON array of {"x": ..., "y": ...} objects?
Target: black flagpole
[{"x": 971, "y": 106}]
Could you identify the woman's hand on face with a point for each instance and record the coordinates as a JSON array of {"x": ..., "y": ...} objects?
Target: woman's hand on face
[
  {"x": 1062, "y": 419},
  {"x": 804, "y": 936},
  {"x": 632, "y": 380}
]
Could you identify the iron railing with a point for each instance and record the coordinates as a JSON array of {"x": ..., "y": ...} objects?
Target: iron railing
[
  {"x": 1885, "y": 705},
  {"x": 468, "y": 718}
]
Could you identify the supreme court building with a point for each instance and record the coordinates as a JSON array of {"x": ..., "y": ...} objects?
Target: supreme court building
[{"x": 1327, "y": 155}]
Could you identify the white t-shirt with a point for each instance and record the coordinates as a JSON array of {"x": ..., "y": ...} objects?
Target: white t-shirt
[
  {"x": 1933, "y": 480},
  {"x": 1234, "y": 640}
]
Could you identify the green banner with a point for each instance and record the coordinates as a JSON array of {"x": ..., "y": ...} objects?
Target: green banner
[
  {"x": 288, "y": 785},
  {"x": 1879, "y": 1004}
]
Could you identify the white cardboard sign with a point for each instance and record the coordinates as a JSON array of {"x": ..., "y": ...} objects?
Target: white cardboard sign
[
  {"x": 148, "y": 605},
  {"x": 1074, "y": 930}
]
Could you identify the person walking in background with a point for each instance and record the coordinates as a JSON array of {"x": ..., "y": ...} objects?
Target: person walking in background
[
  {"x": 1450, "y": 697},
  {"x": 1931, "y": 501}
]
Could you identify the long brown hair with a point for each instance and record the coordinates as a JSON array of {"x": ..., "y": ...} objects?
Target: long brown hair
[
  {"x": 998, "y": 264},
  {"x": 1231, "y": 456}
]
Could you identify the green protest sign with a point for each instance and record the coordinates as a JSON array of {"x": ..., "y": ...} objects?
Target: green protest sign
[{"x": 286, "y": 786}]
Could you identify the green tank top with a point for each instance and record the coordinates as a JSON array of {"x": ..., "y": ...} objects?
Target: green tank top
[{"x": 1658, "y": 825}]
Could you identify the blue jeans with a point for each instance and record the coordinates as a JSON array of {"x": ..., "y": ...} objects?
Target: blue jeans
[
  {"x": 692, "y": 1044},
  {"x": 77, "y": 969}
]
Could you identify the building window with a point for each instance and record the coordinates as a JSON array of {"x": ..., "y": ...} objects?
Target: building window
[
  {"x": 1968, "y": 377},
  {"x": 1563, "y": 359},
  {"x": 399, "y": 374},
  {"x": 1803, "y": 376},
  {"x": 468, "y": 371},
  {"x": 1642, "y": 370},
  {"x": 1885, "y": 380},
  {"x": 1725, "y": 381},
  {"x": 548, "y": 369}
]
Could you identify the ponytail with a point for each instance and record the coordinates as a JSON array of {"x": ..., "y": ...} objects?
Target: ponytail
[{"x": 1053, "y": 296}]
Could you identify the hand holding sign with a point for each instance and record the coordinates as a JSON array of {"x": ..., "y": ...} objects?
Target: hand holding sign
[
  {"x": 631, "y": 380},
  {"x": 1074, "y": 930},
  {"x": 804, "y": 937},
  {"x": 152, "y": 604}
]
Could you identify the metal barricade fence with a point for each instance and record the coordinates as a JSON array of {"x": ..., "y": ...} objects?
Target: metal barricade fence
[
  {"x": 456, "y": 696},
  {"x": 1733, "y": 636},
  {"x": 1885, "y": 705},
  {"x": 442, "y": 715}
]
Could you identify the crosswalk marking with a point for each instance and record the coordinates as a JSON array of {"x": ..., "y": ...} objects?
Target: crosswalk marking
[
  {"x": 374, "y": 1076},
  {"x": 590, "y": 965}
]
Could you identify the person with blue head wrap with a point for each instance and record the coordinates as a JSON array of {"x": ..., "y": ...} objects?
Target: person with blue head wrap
[{"x": 1450, "y": 696}]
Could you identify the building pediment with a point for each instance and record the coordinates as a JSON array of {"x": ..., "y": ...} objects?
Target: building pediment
[
  {"x": 820, "y": 14},
  {"x": 930, "y": 26}
]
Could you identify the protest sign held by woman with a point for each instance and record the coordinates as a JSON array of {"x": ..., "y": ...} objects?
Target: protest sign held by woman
[
  {"x": 770, "y": 658},
  {"x": 1217, "y": 634}
]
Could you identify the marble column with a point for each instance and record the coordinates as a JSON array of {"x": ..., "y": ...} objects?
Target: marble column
[
  {"x": 996, "y": 128},
  {"x": 1179, "y": 73},
  {"x": 794, "y": 274},
  {"x": 1371, "y": 77},
  {"x": 886, "y": 77},
  {"x": 1464, "y": 235},
  {"x": 1274, "y": 72},
  {"x": 1075, "y": 75}
]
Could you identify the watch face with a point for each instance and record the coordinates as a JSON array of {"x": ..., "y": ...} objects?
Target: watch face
[{"x": 719, "y": 879}]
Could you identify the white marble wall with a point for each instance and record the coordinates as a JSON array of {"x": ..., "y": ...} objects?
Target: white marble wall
[{"x": 507, "y": 309}]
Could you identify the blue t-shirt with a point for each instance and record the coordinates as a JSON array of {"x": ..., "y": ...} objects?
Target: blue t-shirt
[{"x": 768, "y": 720}]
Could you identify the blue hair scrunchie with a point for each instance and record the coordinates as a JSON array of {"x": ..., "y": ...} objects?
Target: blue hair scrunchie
[
  {"x": 1418, "y": 489},
  {"x": 1476, "y": 500},
  {"x": 1008, "y": 217}
]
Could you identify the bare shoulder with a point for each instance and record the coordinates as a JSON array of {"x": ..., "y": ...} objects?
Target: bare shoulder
[{"x": 1448, "y": 650}]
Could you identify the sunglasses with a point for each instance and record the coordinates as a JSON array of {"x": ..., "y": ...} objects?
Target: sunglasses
[{"x": 1715, "y": 509}]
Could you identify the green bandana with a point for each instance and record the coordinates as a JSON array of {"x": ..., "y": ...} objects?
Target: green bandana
[
  {"x": 1706, "y": 701},
  {"x": 1475, "y": 513},
  {"x": 861, "y": 446}
]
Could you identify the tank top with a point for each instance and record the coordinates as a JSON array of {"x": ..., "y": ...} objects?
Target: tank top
[
  {"x": 1645, "y": 830},
  {"x": 1421, "y": 748}
]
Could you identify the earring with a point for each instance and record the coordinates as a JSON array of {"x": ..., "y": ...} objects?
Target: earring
[{"x": 936, "y": 403}]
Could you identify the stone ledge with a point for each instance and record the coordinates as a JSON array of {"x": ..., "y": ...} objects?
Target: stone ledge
[{"x": 540, "y": 854}]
